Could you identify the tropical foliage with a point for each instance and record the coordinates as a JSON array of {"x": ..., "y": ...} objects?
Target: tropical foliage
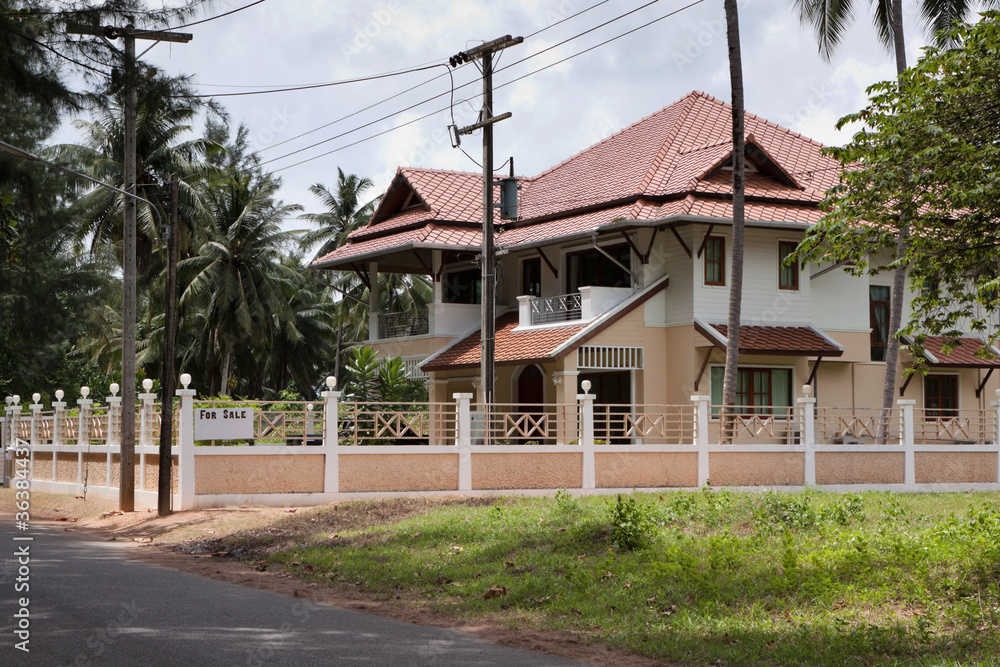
[
  {"x": 254, "y": 319},
  {"x": 927, "y": 154}
]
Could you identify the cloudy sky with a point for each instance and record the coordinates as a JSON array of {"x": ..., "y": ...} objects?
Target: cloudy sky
[{"x": 556, "y": 112}]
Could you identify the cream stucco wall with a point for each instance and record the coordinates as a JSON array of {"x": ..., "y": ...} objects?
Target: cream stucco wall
[
  {"x": 756, "y": 469},
  {"x": 398, "y": 472},
  {"x": 617, "y": 470},
  {"x": 954, "y": 468},
  {"x": 527, "y": 471},
  {"x": 255, "y": 474},
  {"x": 859, "y": 468}
]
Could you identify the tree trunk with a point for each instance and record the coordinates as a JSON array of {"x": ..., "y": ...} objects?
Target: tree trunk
[
  {"x": 899, "y": 275},
  {"x": 736, "y": 271},
  {"x": 227, "y": 362}
]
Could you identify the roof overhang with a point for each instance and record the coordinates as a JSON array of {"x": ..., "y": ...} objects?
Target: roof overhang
[
  {"x": 962, "y": 356},
  {"x": 797, "y": 341}
]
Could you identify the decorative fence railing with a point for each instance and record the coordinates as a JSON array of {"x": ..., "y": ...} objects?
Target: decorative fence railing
[
  {"x": 408, "y": 323},
  {"x": 340, "y": 447},
  {"x": 562, "y": 308}
]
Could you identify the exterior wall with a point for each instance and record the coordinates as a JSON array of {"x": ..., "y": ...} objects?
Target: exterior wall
[
  {"x": 645, "y": 470},
  {"x": 757, "y": 469},
  {"x": 258, "y": 474},
  {"x": 674, "y": 305},
  {"x": 955, "y": 468},
  {"x": 763, "y": 303},
  {"x": 852, "y": 468},
  {"x": 526, "y": 471},
  {"x": 386, "y": 472}
]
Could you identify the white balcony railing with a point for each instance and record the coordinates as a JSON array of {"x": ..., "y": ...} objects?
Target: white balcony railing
[{"x": 562, "y": 308}]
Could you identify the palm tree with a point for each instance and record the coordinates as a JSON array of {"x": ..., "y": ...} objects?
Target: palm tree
[
  {"x": 736, "y": 277},
  {"x": 344, "y": 213},
  {"x": 238, "y": 278},
  {"x": 830, "y": 21}
]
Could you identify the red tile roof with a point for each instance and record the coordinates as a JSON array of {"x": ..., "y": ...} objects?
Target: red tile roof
[
  {"x": 798, "y": 341},
  {"x": 659, "y": 167},
  {"x": 510, "y": 346},
  {"x": 963, "y": 356}
]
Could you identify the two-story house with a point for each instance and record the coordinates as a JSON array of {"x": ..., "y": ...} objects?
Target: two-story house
[{"x": 617, "y": 272}]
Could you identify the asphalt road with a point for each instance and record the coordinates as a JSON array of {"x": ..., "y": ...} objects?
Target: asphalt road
[{"x": 88, "y": 604}]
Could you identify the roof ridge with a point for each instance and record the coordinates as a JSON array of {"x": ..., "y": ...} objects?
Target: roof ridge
[
  {"x": 612, "y": 136},
  {"x": 688, "y": 102}
]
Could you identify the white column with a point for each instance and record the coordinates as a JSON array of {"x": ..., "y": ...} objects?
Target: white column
[
  {"x": 906, "y": 439},
  {"x": 36, "y": 418},
  {"x": 807, "y": 426},
  {"x": 586, "y": 401},
  {"x": 464, "y": 440},
  {"x": 145, "y": 427},
  {"x": 331, "y": 438},
  {"x": 114, "y": 431},
  {"x": 82, "y": 434},
  {"x": 185, "y": 443},
  {"x": 59, "y": 419},
  {"x": 701, "y": 436},
  {"x": 373, "y": 334},
  {"x": 996, "y": 430}
]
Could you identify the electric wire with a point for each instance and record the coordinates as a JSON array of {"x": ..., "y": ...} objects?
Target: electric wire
[
  {"x": 454, "y": 88},
  {"x": 316, "y": 85},
  {"x": 63, "y": 56},
  {"x": 645, "y": 25},
  {"x": 210, "y": 18}
]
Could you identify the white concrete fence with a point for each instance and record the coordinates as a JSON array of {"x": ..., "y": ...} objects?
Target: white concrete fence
[{"x": 355, "y": 449}]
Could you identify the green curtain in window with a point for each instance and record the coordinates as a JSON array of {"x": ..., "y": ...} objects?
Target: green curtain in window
[
  {"x": 781, "y": 388},
  {"x": 718, "y": 379}
]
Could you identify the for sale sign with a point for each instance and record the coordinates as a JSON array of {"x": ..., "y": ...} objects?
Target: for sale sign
[{"x": 223, "y": 423}]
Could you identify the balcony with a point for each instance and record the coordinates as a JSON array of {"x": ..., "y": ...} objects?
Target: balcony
[
  {"x": 562, "y": 308},
  {"x": 400, "y": 325},
  {"x": 588, "y": 303}
]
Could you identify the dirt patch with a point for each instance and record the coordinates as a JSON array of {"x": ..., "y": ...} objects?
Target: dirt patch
[{"x": 186, "y": 541}]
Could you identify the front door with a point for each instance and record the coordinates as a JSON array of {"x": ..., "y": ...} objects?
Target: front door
[
  {"x": 530, "y": 397},
  {"x": 612, "y": 401}
]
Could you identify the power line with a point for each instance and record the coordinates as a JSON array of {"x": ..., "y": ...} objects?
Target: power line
[
  {"x": 64, "y": 57},
  {"x": 317, "y": 85},
  {"x": 211, "y": 18},
  {"x": 673, "y": 13}
]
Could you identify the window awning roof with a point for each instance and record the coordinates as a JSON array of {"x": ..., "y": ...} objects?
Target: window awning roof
[
  {"x": 964, "y": 355},
  {"x": 802, "y": 341}
]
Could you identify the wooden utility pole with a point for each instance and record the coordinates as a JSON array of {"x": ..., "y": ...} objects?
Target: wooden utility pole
[
  {"x": 167, "y": 382},
  {"x": 488, "y": 257},
  {"x": 126, "y": 481}
]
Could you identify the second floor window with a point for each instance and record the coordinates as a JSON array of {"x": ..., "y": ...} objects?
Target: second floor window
[
  {"x": 715, "y": 260},
  {"x": 788, "y": 274},
  {"x": 591, "y": 268},
  {"x": 531, "y": 277},
  {"x": 463, "y": 286},
  {"x": 879, "y": 304}
]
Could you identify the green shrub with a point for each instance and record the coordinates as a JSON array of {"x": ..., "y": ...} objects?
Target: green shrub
[{"x": 632, "y": 525}]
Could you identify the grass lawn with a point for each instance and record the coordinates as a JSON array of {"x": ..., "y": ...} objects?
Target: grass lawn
[{"x": 692, "y": 578}]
